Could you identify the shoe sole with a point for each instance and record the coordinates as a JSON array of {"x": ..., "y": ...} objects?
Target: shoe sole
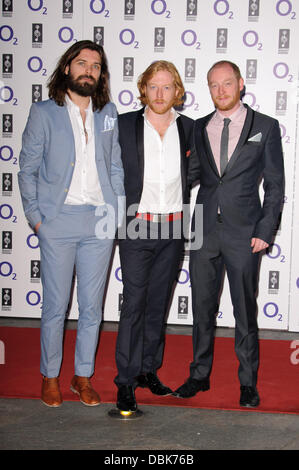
[
  {"x": 203, "y": 389},
  {"x": 51, "y": 406},
  {"x": 84, "y": 403},
  {"x": 247, "y": 405}
]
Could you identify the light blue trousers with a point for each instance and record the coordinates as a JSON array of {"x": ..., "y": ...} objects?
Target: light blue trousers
[{"x": 66, "y": 242}]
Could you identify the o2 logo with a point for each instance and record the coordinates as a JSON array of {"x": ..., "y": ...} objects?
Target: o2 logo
[
  {"x": 126, "y": 98},
  {"x": 275, "y": 253},
  {"x": 66, "y": 35},
  {"x": 183, "y": 277},
  {"x": 6, "y": 213},
  {"x": 6, "y": 154},
  {"x": 98, "y": 7},
  {"x": 118, "y": 275},
  {"x": 37, "y": 5},
  {"x": 32, "y": 241},
  {"x": 33, "y": 298},
  {"x": 159, "y": 7},
  {"x": 189, "y": 38},
  {"x": 286, "y": 138},
  {"x": 190, "y": 101},
  {"x": 7, "y": 34},
  {"x": 285, "y": 8},
  {"x": 281, "y": 70},
  {"x": 250, "y": 99},
  {"x": 35, "y": 64},
  {"x": 221, "y": 8},
  {"x": 271, "y": 310},
  {"x": 251, "y": 39},
  {"x": 6, "y": 270},
  {"x": 127, "y": 38},
  {"x": 7, "y": 95}
]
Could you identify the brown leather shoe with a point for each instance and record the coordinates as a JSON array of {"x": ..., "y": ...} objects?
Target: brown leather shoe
[
  {"x": 51, "y": 395},
  {"x": 82, "y": 387}
]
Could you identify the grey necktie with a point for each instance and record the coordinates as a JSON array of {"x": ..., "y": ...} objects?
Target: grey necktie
[{"x": 224, "y": 145}]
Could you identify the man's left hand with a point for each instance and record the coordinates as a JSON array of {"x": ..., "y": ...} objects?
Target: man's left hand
[{"x": 258, "y": 245}]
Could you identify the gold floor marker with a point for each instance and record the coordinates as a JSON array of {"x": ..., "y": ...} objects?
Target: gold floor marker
[{"x": 125, "y": 415}]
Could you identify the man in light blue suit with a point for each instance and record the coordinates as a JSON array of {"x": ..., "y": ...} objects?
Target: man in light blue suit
[{"x": 71, "y": 180}]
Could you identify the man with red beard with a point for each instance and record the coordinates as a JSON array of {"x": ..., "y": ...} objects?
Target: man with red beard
[
  {"x": 235, "y": 149},
  {"x": 71, "y": 176},
  {"x": 155, "y": 143}
]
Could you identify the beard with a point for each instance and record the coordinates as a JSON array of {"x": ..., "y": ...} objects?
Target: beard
[
  {"x": 82, "y": 88},
  {"x": 229, "y": 104},
  {"x": 161, "y": 107}
]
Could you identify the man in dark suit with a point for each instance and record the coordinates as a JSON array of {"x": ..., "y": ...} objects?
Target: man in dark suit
[
  {"x": 155, "y": 143},
  {"x": 235, "y": 148}
]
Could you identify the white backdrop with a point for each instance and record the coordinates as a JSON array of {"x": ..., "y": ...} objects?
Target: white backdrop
[{"x": 261, "y": 36}]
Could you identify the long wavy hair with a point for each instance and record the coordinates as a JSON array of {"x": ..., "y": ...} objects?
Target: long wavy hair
[
  {"x": 155, "y": 67},
  {"x": 58, "y": 82}
]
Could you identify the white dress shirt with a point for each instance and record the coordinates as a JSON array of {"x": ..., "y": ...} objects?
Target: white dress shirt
[
  {"x": 162, "y": 184},
  {"x": 85, "y": 186}
]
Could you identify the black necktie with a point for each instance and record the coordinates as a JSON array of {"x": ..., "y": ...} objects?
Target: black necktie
[{"x": 224, "y": 145}]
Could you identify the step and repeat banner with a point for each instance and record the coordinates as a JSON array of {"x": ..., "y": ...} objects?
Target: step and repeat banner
[{"x": 261, "y": 36}]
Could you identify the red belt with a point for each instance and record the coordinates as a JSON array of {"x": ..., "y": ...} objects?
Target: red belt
[{"x": 159, "y": 217}]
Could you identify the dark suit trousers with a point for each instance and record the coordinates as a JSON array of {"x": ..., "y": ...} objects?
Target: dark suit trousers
[
  {"x": 149, "y": 269},
  {"x": 221, "y": 249}
]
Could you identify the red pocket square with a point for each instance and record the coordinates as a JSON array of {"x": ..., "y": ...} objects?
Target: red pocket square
[{"x": 188, "y": 153}]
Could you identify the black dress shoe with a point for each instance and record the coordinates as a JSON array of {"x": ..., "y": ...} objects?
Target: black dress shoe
[
  {"x": 249, "y": 396},
  {"x": 126, "y": 398},
  {"x": 152, "y": 382},
  {"x": 191, "y": 387}
]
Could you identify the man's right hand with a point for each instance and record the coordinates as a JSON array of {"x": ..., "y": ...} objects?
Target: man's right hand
[{"x": 37, "y": 227}]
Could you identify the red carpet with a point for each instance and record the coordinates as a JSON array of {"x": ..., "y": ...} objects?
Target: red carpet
[{"x": 278, "y": 378}]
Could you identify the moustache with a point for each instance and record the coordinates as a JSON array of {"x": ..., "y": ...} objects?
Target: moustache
[{"x": 81, "y": 77}]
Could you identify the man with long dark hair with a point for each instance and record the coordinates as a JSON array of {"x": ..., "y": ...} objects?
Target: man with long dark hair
[{"x": 70, "y": 179}]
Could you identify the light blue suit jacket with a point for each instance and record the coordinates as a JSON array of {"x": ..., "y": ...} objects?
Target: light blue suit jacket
[{"x": 48, "y": 157}]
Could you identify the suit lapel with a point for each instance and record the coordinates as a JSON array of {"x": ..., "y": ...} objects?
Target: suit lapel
[
  {"x": 63, "y": 117},
  {"x": 206, "y": 143},
  {"x": 242, "y": 140},
  {"x": 140, "y": 143},
  {"x": 97, "y": 135},
  {"x": 183, "y": 151}
]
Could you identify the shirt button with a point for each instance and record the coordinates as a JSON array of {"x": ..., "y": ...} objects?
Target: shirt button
[{"x": 66, "y": 190}]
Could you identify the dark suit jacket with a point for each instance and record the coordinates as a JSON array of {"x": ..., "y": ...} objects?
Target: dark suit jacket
[
  {"x": 237, "y": 191},
  {"x": 131, "y": 139}
]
